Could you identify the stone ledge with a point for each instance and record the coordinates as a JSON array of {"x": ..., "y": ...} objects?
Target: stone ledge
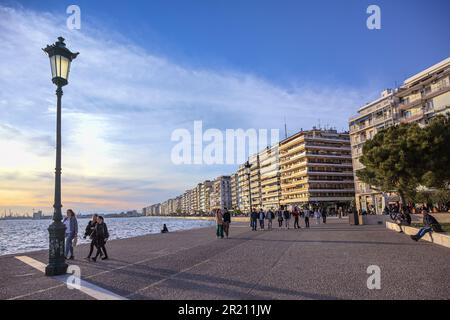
[{"x": 442, "y": 239}]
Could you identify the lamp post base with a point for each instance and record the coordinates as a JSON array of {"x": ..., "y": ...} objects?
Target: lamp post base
[{"x": 57, "y": 261}]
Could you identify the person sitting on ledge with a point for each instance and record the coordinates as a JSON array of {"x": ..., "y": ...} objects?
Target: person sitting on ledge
[
  {"x": 164, "y": 229},
  {"x": 430, "y": 224}
]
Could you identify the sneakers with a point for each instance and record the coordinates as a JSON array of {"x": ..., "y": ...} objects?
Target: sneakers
[
  {"x": 414, "y": 238},
  {"x": 105, "y": 258}
]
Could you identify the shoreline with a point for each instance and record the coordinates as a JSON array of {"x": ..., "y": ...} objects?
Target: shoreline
[{"x": 80, "y": 244}]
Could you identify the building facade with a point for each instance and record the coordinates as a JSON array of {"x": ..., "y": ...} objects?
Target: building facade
[
  {"x": 316, "y": 168},
  {"x": 270, "y": 178},
  {"x": 255, "y": 182},
  {"x": 234, "y": 184},
  {"x": 243, "y": 189},
  {"x": 221, "y": 193},
  {"x": 419, "y": 99}
]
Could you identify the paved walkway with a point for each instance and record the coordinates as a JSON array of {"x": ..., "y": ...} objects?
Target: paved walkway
[{"x": 325, "y": 262}]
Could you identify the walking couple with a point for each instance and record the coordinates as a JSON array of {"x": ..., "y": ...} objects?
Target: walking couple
[
  {"x": 97, "y": 231},
  {"x": 223, "y": 220}
]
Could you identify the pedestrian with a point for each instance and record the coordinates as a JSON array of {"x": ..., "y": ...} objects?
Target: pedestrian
[
  {"x": 71, "y": 223},
  {"x": 430, "y": 224},
  {"x": 100, "y": 235},
  {"x": 296, "y": 215},
  {"x": 164, "y": 229},
  {"x": 324, "y": 215},
  {"x": 226, "y": 222},
  {"x": 306, "y": 213},
  {"x": 88, "y": 233},
  {"x": 219, "y": 224},
  {"x": 280, "y": 217},
  {"x": 270, "y": 216},
  {"x": 287, "y": 217},
  {"x": 261, "y": 217},
  {"x": 340, "y": 212},
  {"x": 253, "y": 219},
  {"x": 317, "y": 215}
]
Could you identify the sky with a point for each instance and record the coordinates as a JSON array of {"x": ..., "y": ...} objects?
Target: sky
[{"x": 147, "y": 68}]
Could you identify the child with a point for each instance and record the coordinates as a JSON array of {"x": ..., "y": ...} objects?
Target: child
[{"x": 100, "y": 236}]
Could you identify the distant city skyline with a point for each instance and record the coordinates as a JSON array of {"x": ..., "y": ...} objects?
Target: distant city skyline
[{"x": 159, "y": 66}]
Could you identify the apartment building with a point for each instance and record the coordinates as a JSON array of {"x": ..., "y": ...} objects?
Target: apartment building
[
  {"x": 195, "y": 199},
  {"x": 419, "y": 99},
  {"x": 234, "y": 184},
  {"x": 164, "y": 209},
  {"x": 371, "y": 118},
  {"x": 153, "y": 210},
  {"x": 204, "y": 199},
  {"x": 270, "y": 178},
  {"x": 221, "y": 193},
  {"x": 243, "y": 189},
  {"x": 255, "y": 181},
  {"x": 425, "y": 95},
  {"x": 316, "y": 167}
]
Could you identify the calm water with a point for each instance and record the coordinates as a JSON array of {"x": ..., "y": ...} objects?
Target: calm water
[{"x": 18, "y": 236}]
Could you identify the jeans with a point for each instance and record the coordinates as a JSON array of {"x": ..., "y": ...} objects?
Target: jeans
[
  {"x": 307, "y": 222},
  {"x": 68, "y": 245},
  {"x": 226, "y": 228},
  {"x": 261, "y": 224},
  {"x": 219, "y": 231},
  {"x": 423, "y": 231},
  {"x": 253, "y": 224},
  {"x": 296, "y": 223}
]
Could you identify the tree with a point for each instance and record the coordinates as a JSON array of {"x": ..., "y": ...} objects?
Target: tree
[
  {"x": 392, "y": 160},
  {"x": 402, "y": 158},
  {"x": 437, "y": 154}
]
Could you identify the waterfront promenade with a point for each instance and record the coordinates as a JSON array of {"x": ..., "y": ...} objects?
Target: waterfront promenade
[{"x": 325, "y": 262}]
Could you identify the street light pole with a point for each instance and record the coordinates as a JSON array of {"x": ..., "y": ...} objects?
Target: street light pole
[
  {"x": 60, "y": 59},
  {"x": 57, "y": 215},
  {"x": 247, "y": 167}
]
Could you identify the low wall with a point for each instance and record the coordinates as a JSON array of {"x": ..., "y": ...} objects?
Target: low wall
[
  {"x": 415, "y": 218},
  {"x": 442, "y": 239}
]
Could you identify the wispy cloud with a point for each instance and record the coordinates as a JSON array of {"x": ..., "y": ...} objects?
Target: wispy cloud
[{"x": 121, "y": 106}]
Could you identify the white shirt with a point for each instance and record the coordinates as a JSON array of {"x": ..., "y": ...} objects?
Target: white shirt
[{"x": 67, "y": 224}]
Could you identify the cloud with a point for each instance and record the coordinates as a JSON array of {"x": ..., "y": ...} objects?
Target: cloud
[{"x": 123, "y": 102}]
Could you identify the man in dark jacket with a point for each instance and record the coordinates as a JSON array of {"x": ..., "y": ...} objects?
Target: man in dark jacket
[
  {"x": 88, "y": 233},
  {"x": 430, "y": 224},
  {"x": 226, "y": 221},
  {"x": 253, "y": 219},
  {"x": 261, "y": 217},
  {"x": 100, "y": 236}
]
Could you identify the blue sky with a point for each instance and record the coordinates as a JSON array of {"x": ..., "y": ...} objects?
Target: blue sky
[{"x": 147, "y": 68}]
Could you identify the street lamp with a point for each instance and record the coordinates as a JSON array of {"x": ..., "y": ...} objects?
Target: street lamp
[
  {"x": 60, "y": 59},
  {"x": 247, "y": 167}
]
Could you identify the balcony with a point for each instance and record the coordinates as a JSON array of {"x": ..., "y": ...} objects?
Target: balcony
[{"x": 412, "y": 118}]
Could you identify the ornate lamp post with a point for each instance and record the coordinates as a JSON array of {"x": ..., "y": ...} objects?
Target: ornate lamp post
[
  {"x": 60, "y": 59},
  {"x": 247, "y": 170}
]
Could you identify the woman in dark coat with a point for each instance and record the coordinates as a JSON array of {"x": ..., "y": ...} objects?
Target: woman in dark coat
[
  {"x": 100, "y": 236},
  {"x": 89, "y": 232}
]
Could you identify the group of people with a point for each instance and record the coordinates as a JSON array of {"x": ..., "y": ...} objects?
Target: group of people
[
  {"x": 96, "y": 230},
  {"x": 223, "y": 220},
  {"x": 283, "y": 216}
]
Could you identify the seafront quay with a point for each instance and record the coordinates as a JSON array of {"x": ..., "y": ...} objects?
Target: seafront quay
[{"x": 325, "y": 262}]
